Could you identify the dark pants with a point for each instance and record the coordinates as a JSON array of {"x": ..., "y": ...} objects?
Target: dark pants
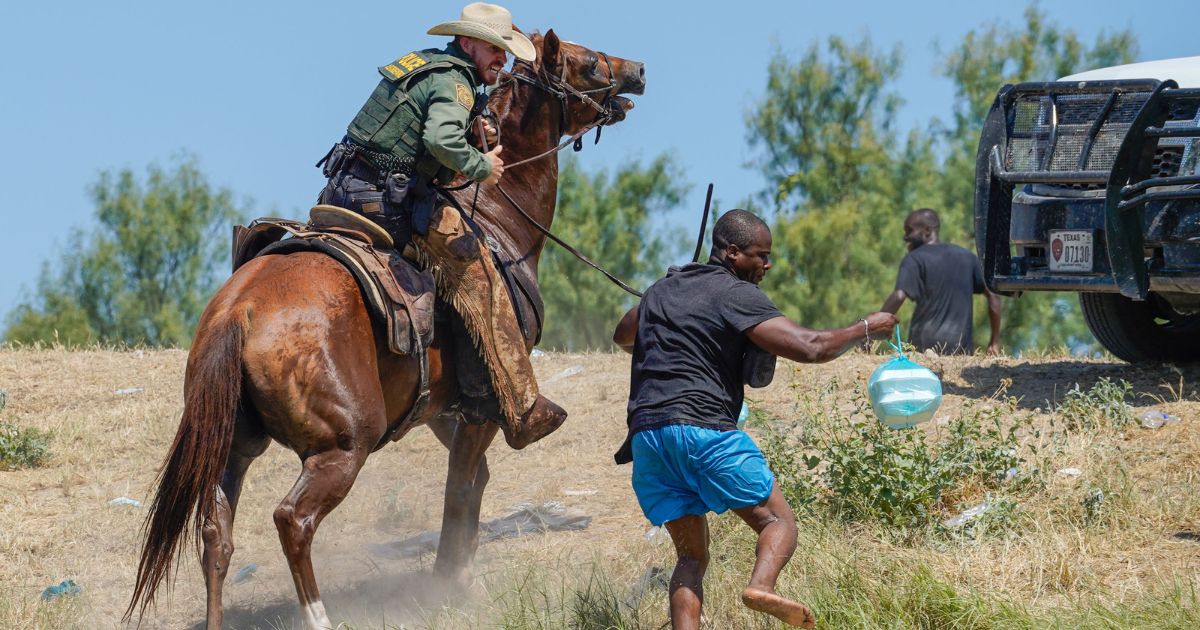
[
  {"x": 404, "y": 205},
  {"x": 401, "y": 201},
  {"x": 347, "y": 191}
]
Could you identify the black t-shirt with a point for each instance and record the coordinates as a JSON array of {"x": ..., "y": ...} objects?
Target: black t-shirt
[
  {"x": 687, "y": 356},
  {"x": 941, "y": 278}
]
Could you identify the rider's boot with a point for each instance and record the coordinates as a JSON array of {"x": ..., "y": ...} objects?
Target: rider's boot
[{"x": 468, "y": 279}]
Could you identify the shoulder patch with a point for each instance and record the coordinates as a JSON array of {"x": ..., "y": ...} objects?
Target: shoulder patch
[
  {"x": 464, "y": 96},
  {"x": 404, "y": 65}
]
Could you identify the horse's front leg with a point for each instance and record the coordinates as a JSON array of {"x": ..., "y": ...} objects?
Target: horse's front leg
[{"x": 465, "y": 481}]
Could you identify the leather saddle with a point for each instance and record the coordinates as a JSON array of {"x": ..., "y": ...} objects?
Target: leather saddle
[{"x": 399, "y": 296}]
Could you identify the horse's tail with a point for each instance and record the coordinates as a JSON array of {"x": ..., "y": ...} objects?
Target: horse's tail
[{"x": 188, "y": 480}]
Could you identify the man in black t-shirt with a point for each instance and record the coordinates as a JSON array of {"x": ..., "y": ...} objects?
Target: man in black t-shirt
[
  {"x": 689, "y": 338},
  {"x": 940, "y": 278}
]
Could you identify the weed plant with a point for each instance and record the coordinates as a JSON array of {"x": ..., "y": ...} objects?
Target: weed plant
[
  {"x": 837, "y": 459},
  {"x": 584, "y": 600},
  {"x": 1103, "y": 406},
  {"x": 22, "y": 447}
]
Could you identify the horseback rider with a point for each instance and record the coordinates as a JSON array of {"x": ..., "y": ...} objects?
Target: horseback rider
[{"x": 410, "y": 138}]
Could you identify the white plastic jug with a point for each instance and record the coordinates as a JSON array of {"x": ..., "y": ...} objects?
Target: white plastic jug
[
  {"x": 903, "y": 393},
  {"x": 743, "y": 416}
]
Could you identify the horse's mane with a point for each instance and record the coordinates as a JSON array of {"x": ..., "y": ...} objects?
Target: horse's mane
[{"x": 501, "y": 97}]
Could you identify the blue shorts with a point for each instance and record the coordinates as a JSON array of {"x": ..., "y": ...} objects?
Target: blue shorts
[{"x": 681, "y": 469}]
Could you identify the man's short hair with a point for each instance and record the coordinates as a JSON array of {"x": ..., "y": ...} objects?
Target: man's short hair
[
  {"x": 926, "y": 217},
  {"x": 736, "y": 227}
]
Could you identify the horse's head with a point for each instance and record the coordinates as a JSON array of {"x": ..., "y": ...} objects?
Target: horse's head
[{"x": 587, "y": 83}]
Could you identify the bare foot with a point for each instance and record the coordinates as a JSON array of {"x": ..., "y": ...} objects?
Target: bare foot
[{"x": 783, "y": 609}]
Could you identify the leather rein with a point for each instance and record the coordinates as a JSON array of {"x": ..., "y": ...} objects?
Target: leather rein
[{"x": 560, "y": 88}]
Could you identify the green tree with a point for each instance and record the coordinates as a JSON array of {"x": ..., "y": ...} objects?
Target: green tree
[
  {"x": 609, "y": 219},
  {"x": 841, "y": 179},
  {"x": 838, "y": 175},
  {"x": 985, "y": 60},
  {"x": 144, "y": 274}
]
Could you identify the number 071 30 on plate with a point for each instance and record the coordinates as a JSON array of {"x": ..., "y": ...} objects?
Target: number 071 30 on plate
[{"x": 1070, "y": 250}]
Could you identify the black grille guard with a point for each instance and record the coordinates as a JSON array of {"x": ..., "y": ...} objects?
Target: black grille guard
[{"x": 1010, "y": 155}]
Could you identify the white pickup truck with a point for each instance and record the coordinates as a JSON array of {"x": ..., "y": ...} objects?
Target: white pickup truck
[{"x": 1091, "y": 184}]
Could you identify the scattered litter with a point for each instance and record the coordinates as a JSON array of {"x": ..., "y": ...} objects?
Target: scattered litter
[
  {"x": 537, "y": 353},
  {"x": 571, "y": 371},
  {"x": 129, "y": 390},
  {"x": 245, "y": 573},
  {"x": 65, "y": 587},
  {"x": 580, "y": 493},
  {"x": 525, "y": 519},
  {"x": 1070, "y": 472},
  {"x": 652, "y": 579},
  {"x": 658, "y": 535},
  {"x": 1186, "y": 535},
  {"x": 967, "y": 515},
  {"x": 126, "y": 501},
  {"x": 1154, "y": 419}
]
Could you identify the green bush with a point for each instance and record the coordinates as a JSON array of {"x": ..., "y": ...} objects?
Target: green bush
[
  {"x": 22, "y": 447},
  {"x": 1102, "y": 406},
  {"x": 838, "y": 458}
]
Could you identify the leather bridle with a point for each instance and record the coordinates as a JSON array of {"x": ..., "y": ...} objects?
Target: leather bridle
[
  {"x": 607, "y": 112},
  {"x": 559, "y": 87}
]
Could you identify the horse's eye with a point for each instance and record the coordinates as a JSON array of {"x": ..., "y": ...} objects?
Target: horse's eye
[{"x": 594, "y": 65}]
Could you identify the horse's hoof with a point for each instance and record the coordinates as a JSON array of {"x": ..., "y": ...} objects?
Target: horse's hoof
[{"x": 459, "y": 579}]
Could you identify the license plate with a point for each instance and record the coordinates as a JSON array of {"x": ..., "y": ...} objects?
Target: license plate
[{"x": 1070, "y": 250}]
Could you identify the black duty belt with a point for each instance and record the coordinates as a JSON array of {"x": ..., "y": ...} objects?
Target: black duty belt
[
  {"x": 364, "y": 170},
  {"x": 361, "y": 167}
]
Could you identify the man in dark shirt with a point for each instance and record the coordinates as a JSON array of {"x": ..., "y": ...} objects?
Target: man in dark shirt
[
  {"x": 940, "y": 278},
  {"x": 689, "y": 338}
]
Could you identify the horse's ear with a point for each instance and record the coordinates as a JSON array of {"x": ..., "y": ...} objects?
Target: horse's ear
[{"x": 550, "y": 50}]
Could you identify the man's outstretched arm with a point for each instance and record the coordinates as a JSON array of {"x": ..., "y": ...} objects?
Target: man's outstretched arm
[
  {"x": 626, "y": 331},
  {"x": 783, "y": 337}
]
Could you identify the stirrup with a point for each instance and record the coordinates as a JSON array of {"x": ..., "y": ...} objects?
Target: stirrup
[{"x": 325, "y": 215}]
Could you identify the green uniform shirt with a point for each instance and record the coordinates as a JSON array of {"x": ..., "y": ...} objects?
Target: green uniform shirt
[{"x": 422, "y": 105}]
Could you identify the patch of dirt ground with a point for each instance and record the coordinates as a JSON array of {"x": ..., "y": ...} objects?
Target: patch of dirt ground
[{"x": 113, "y": 415}]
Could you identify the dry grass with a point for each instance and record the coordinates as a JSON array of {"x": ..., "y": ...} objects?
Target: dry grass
[{"x": 56, "y": 523}]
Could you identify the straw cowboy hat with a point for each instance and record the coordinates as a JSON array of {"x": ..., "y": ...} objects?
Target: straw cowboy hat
[{"x": 491, "y": 23}]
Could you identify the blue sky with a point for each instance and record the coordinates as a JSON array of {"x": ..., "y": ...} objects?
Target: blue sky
[{"x": 258, "y": 91}]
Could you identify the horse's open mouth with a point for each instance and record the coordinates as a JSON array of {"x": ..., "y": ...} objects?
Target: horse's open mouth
[{"x": 617, "y": 106}]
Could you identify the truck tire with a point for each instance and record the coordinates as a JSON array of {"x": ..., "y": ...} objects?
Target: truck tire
[{"x": 1141, "y": 332}]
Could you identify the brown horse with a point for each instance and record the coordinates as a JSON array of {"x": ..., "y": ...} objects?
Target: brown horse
[{"x": 286, "y": 351}]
